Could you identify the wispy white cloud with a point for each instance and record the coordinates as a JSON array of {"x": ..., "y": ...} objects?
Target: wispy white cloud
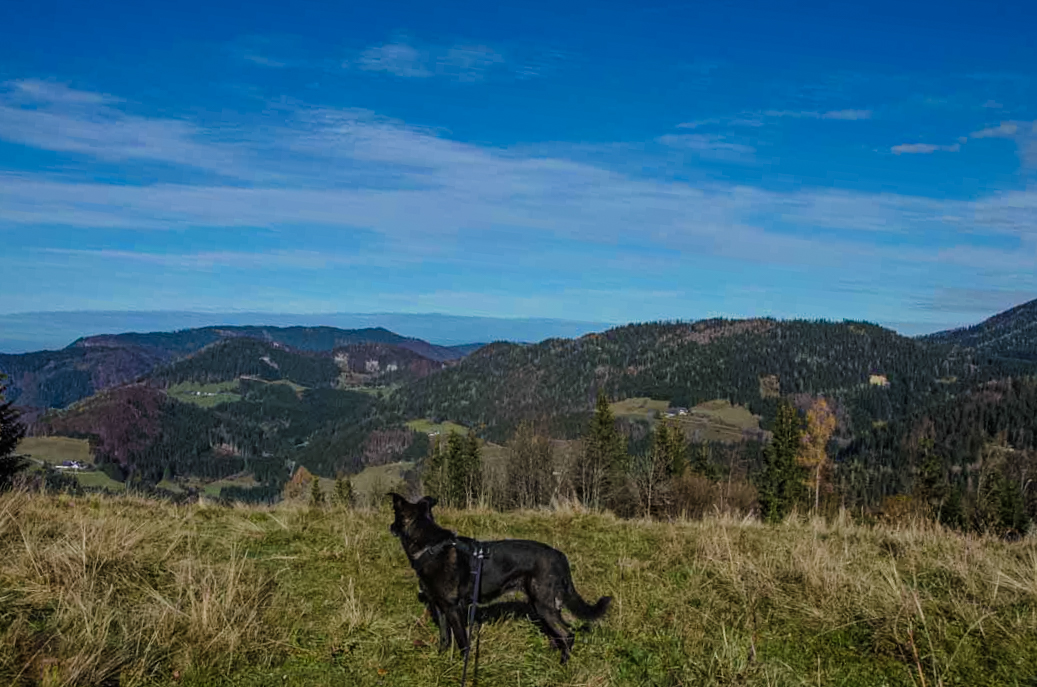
[
  {"x": 436, "y": 188},
  {"x": 56, "y": 117},
  {"x": 849, "y": 115},
  {"x": 924, "y": 148},
  {"x": 758, "y": 119},
  {"x": 1022, "y": 132},
  {"x": 1003, "y": 130},
  {"x": 399, "y": 58},
  {"x": 467, "y": 62},
  {"x": 209, "y": 260},
  {"x": 986, "y": 301},
  {"x": 993, "y": 104},
  {"x": 713, "y": 146}
]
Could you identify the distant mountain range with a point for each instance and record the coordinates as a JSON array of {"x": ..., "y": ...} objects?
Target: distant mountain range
[
  {"x": 26, "y": 332},
  {"x": 218, "y": 400},
  {"x": 54, "y": 379}
]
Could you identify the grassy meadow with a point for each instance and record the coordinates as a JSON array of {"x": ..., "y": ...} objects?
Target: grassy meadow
[
  {"x": 119, "y": 590},
  {"x": 716, "y": 420},
  {"x": 206, "y": 395},
  {"x": 444, "y": 428}
]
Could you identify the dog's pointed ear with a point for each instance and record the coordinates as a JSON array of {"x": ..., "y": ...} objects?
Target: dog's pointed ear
[
  {"x": 397, "y": 500},
  {"x": 428, "y": 502}
]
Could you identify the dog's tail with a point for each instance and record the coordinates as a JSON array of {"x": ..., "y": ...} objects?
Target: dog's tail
[{"x": 583, "y": 610}]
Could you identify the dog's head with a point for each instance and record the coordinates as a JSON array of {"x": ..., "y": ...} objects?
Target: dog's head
[{"x": 408, "y": 514}]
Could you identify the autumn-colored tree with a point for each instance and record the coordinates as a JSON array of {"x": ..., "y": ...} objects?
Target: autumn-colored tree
[{"x": 813, "y": 451}]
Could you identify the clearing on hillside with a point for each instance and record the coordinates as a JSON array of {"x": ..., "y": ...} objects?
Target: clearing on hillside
[
  {"x": 639, "y": 408},
  {"x": 205, "y": 395},
  {"x": 56, "y": 450},
  {"x": 716, "y": 420},
  {"x": 430, "y": 427}
]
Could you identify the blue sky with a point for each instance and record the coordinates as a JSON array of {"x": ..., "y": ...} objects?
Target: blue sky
[{"x": 586, "y": 161}]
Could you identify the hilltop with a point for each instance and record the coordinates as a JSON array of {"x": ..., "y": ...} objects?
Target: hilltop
[
  {"x": 123, "y": 590},
  {"x": 1011, "y": 334}
]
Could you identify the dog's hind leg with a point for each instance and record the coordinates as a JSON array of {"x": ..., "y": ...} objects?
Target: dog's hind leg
[{"x": 558, "y": 630}]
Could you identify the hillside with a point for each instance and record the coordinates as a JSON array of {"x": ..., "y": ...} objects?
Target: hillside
[
  {"x": 142, "y": 433},
  {"x": 229, "y": 359},
  {"x": 991, "y": 427},
  {"x": 1011, "y": 334},
  {"x": 874, "y": 373},
  {"x": 123, "y": 590},
  {"x": 54, "y": 379}
]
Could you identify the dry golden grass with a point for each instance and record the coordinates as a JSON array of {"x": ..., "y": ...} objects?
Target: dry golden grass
[{"x": 121, "y": 590}]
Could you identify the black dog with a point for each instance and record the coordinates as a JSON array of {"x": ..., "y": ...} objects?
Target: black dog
[{"x": 446, "y": 577}]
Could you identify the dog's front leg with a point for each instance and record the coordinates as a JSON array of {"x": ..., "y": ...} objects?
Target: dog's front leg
[
  {"x": 456, "y": 618},
  {"x": 444, "y": 628},
  {"x": 438, "y": 617}
]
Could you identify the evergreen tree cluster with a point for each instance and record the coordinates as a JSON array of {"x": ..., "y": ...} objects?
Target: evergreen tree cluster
[{"x": 453, "y": 470}]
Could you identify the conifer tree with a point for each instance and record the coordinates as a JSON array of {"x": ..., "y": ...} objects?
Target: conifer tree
[
  {"x": 676, "y": 449},
  {"x": 11, "y": 432},
  {"x": 434, "y": 474},
  {"x": 343, "y": 491},
  {"x": 781, "y": 483},
  {"x": 605, "y": 456},
  {"x": 316, "y": 494},
  {"x": 455, "y": 470},
  {"x": 466, "y": 470}
]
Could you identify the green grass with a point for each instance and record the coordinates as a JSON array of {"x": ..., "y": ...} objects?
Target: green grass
[
  {"x": 56, "y": 450},
  {"x": 639, "y": 408},
  {"x": 371, "y": 484},
  {"x": 119, "y": 589},
  {"x": 170, "y": 486},
  {"x": 212, "y": 489},
  {"x": 428, "y": 426},
  {"x": 222, "y": 392},
  {"x": 98, "y": 480}
]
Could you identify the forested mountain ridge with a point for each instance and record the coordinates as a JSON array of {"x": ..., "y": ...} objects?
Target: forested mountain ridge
[
  {"x": 54, "y": 379},
  {"x": 139, "y": 431},
  {"x": 874, "y": 373},
  {"x": 1009, "y": 334},
  {"x": 311, "y": 339},
  {"x": 952, "y": 441}
]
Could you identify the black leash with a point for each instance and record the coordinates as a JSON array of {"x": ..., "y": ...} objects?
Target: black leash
[{"x": 480, "y": 555}]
